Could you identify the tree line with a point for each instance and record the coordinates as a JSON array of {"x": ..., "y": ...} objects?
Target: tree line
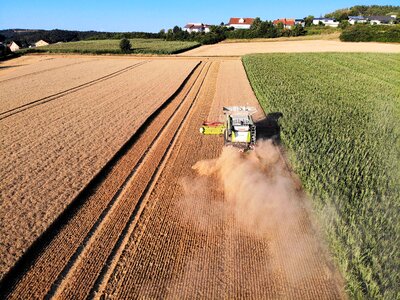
[
  {"x": 364, "y": 10},
  {"x": 28, "y": 37}
]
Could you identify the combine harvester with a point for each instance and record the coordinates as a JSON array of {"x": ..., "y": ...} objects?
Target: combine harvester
[{"x": 238, "y": 128}]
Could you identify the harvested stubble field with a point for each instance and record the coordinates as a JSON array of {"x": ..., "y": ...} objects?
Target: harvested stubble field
[
  {"x": 50, "y": 151},
  {"x": 170, "y": 213},
  {"x": 236, "y": 49}
]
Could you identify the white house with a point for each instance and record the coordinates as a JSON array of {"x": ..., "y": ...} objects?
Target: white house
[
  {"x": 41, "y": 43},
  {"x": 300, "y": 22},
  {"x": 196, "y": 27},
  {"x": 326, "y": 21},
  {"x": 378, "y": 20},
  {"x": 240, "y": 23},
  {"x": 14, "y": 46},
  {"x": 357, "y": 19}
]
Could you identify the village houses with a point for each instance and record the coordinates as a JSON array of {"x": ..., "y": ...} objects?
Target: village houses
[
  {"x": 240, "y": 23},
  {"x": 196, "y": 27}
]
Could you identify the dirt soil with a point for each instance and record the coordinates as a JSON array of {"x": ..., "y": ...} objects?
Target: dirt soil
[
  {"x": 239, "y": 49},
  {"x": 170, "y": 214}
]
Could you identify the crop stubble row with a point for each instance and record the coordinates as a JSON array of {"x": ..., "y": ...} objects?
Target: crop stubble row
[
  {"x": 25, "y": 105},
  {"x": 40, "y": 85},
  {"x": 148, "y": 270},
  {"x": 77, "y": 133},
  {"x": 30, "y": 65},
  {"x": 79, "y": 281},
  {"x": 38, "y": 280}
]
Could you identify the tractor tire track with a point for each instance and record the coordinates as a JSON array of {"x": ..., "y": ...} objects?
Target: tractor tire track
[
  {"x": 79, "y": 280},
  {"x": 58, "y": 95},
  {"x": 43, "y": 263},
  {"x": 129, "y": 276},
  {"x": 47, "y": 70}
]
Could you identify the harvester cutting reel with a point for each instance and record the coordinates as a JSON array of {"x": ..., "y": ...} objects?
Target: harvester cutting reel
[{"x": 238, "y": 127}]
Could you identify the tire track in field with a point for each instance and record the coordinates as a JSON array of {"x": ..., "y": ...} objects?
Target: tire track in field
[
  {"x": 114, "y": 257},
  {"x": 44, "y": 261},
  {"x": 77, "y": 283},
  {"x": 58, "y": 95},
  {"x": 47, "y": 70},
  {"x": 130, "y": 275}
]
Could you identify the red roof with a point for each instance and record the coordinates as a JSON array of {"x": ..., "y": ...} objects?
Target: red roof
[
  {"x": 246, "y": 21},
  {"x": 287, "y": 22}
]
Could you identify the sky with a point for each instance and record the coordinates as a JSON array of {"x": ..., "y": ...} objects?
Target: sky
[{"x": 153, "y": 15}]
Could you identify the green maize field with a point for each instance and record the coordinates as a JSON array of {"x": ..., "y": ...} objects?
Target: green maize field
[
  {"x": 341, "y": 127},
  {"x": 140, "y": 46}
]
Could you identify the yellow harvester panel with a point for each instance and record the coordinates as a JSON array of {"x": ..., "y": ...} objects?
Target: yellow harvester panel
[{"x": 212, "y": 129}]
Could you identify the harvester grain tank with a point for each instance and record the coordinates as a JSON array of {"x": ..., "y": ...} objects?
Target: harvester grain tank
[{"x": 238, "y": 127}]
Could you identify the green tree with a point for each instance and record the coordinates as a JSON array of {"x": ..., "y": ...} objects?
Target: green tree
[
  {"x": 176, "y": 29},
  {"x": 256, "y": 24},
  {"x": 125, "y": 45},
  {"x": 308, "y": 20},
  {"x": 344, "y": 24},
  {"x": 162, "y": 34},
  {"x": 298, "y": 30}
]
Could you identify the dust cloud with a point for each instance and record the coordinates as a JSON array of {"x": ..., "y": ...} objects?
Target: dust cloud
[
  {"x": 256, "y": 186},
  {"x": 256, "y": 195}
]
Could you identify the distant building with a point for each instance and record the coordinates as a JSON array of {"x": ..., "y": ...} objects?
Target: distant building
[
  {"x": 240, "y": 23},
  {"x": 14, "y": 46},
  {"x": 287, "y": 23},
  {"x": 196, "y": 27},
  {"x": 357, "y": 19},
  {"x": 382, "y": 20},
  {"x": 41, "y": 43},
  {"x": 300, "y": 22},
  {"x": 326, "y": 21}
]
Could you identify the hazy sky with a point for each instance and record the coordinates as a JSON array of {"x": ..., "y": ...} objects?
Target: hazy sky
[{"x": 152, "y": 15}]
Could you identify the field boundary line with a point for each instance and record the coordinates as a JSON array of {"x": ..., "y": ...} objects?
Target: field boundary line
[
  {"x": 112, "y": 260},
  {"x": 58, "y": 95},
  {"x": 26, "y": 262}
]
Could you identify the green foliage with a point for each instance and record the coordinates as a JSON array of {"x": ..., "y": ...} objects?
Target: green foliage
[
  {"x": 57, "y": 35},
  {"x": 3, "y": 50},
  {"x": 308, "y": 20},
  {"x": 125, "y": 46},
  {"x": 142, "y": 46},
  {"x": 364, "y": 10},
  {"x": 341, "y": 122},
  {"x": 216, "y": 34},
  {"x": 371, "y": 33},
  {"x": 318, "y": 30},
  {"x": 344, "y": 24}
]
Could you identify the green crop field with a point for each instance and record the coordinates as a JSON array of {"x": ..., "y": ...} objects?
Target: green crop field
[
  {"x": 341, "y": 126},
  {"x": 140, "y": 46}
]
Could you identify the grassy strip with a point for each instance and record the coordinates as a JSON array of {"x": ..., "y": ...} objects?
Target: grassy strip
[
  {"x": 341, "y": 124},
  {"x": 140, "y": 46},
  {"x": 321, "y": 30},
  {"x": 331, "y": 36}
]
